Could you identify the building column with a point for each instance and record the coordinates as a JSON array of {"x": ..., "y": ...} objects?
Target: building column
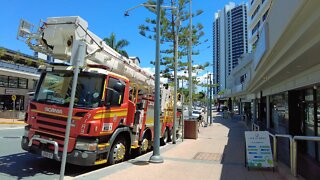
[
  {"x": 254, "y": 108},
  {"x": 268, "y": 111},
  {"x": 240, "y": 107}
]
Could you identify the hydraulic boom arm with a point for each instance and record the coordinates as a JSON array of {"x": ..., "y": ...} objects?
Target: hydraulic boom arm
[{"x": 56, "y": 36}]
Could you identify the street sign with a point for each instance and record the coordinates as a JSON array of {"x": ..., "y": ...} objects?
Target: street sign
[
  {"x": 13, "y": 97},
  {"x": 258, "y": 149}
]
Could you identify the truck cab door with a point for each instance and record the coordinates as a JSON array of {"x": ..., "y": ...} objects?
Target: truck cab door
[{"x": 114, "y": 100}]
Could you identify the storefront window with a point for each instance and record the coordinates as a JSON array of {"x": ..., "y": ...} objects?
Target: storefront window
[
  {"x": 35, "y": 82},
  {"x": 13, "y": 82},
  {"x": 6, "y": 103},
  {"x": 318, "y": 119},
  {"x": 3, "y": 81},
  {"x": 254, "y": 110},
  {"x": 279, "y": 113},
  {"x": 309, "y": 120},
  {"x": 23, "y": 83}
]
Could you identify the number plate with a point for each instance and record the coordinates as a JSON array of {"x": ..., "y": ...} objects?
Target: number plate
[{"x": 47, "y": 154}]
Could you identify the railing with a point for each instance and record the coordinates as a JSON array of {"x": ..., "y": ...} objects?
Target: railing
[
  {"x": 255, "y": 127},
  {"x": 291, "y": 143},
  {"x": 18, "y": 67},
  {"x": 293, "y": 146},
  {"x": 274, "y": 141},
  {"x": 275, "y": 152},
  {"x": 294, "y": 149}
]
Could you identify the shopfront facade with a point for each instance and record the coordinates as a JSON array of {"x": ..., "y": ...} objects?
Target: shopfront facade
[
  {"x": 14, "y": 92},
  {"x": 304, "y": 121},
  {"x": 17, "y": 82},
  {"x": 286, "y": 81}
]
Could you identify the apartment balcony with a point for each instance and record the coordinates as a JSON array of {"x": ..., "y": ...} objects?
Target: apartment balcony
[
  {"x": 253, "y": 6},
  {"x": 240, "y": 76},
  {"x": 265, "y": 6},
  {"x": 255, "y": 20}
]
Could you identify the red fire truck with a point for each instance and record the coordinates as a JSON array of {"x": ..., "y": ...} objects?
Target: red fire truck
[{"x": 113, "y": 111}]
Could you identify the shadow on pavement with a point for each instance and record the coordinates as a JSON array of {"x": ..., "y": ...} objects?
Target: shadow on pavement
[
  {"x": 138, "y": 162},
  {"x": 26, "y": 165},
  {"x": 234, "y": 153}
]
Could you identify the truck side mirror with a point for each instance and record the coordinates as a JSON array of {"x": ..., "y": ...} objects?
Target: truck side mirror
[{"x": 119, "y": 87}]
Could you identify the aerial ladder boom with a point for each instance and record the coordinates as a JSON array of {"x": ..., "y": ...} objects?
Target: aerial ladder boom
[{"x": 56, "y": 37}]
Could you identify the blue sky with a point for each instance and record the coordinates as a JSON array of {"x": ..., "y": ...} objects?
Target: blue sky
[{"x": 104, "y": 17}]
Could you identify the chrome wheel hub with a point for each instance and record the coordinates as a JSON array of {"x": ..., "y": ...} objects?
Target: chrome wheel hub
[
  {"x": 119, "y": 152},
  {"x": 144, "y": 145}
]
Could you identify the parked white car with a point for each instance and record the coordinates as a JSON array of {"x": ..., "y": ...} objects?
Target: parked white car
[{"x": 196, "y": 113}]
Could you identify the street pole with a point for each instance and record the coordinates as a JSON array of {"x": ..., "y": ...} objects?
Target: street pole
[
  {"x": 77, "y": 58},
  {"x": 208, "y": 99},
  {"x": 175, "y": 76},
  {"x": 156, "y": 158},
  {"x": 210, "y": 103},
  {"x": 190, "y": 59},
  {"x": 14, "y": 109},
  {"x": 182, "y": 100}
]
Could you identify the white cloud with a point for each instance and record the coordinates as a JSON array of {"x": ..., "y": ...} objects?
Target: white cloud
[
  {"x": 203, "y": 78},
  {"x": 183, "y": 73},
  {"x": 150, "y": 70}
]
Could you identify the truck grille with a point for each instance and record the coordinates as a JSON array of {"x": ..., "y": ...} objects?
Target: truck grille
[
  {"x": 50, "y": 123},
  {"x": 52, "y": 117},
  {"x": 52, "y": 127},
  {"x": 57, "y": 138}
]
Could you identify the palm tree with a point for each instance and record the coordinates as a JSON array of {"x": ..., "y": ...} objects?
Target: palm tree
[{"x": 117, "y": 46}]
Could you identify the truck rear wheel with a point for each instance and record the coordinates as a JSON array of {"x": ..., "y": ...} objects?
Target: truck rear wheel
[
  {"x": 144, "y": 146},
  {"x": 118, "y": 151}
]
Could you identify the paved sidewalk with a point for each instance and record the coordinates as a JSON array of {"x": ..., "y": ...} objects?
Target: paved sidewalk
[
  {"x": 11, "y": 121},
  {"x": 218, "y": 153}
]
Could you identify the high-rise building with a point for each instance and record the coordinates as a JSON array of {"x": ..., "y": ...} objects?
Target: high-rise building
[
  {"x": 230, "y": 41},
  {"x": 257, "y": 13}
]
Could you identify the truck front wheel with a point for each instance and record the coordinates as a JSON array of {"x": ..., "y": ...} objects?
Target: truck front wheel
[{"x": 118, "y": 151}]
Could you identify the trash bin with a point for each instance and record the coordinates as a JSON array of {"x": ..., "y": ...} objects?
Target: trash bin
[{"x": 190, "y": 128}]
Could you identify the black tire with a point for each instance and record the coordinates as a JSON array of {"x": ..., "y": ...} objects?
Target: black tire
[
  {"x": 145, "y": 146},
  {"x": 118, "y": 151}
]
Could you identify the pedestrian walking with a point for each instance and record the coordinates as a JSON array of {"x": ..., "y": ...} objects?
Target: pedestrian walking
[{"x": 201, "y": 119}]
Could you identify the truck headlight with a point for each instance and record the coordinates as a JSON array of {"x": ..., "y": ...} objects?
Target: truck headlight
[{"x": 86, "y": 146}]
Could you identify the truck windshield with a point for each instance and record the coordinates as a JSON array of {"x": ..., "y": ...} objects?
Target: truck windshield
[{"x": 55, "y": 88}]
